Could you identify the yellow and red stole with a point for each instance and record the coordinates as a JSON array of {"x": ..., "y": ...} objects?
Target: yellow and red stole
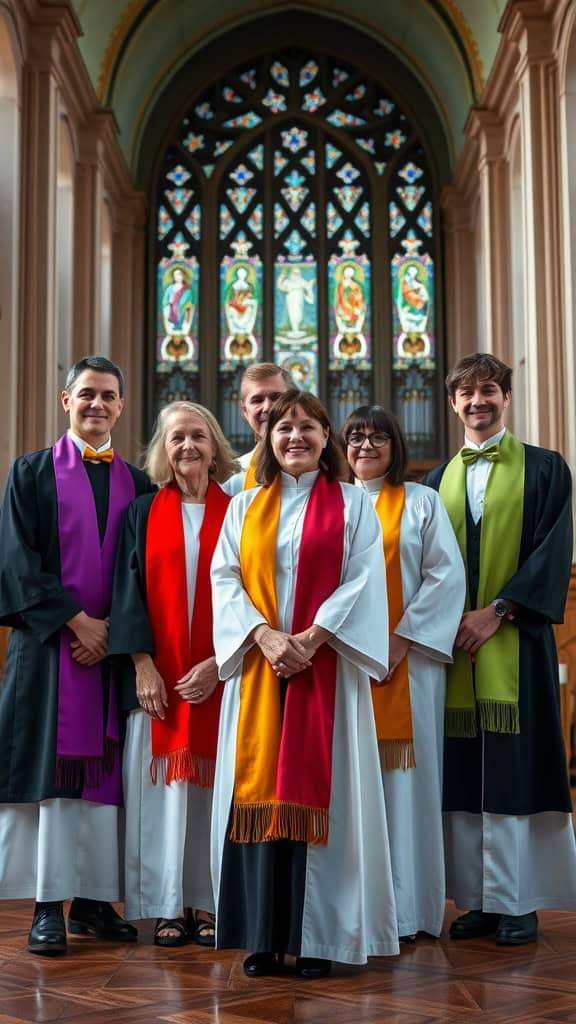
[
  {"x": 283, "y": 765},
  {"x": 391, "y": 701},
  {"x": 184, "y": 743}
]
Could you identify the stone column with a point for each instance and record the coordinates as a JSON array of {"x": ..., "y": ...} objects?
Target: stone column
[{"x": 536, "y": 74}]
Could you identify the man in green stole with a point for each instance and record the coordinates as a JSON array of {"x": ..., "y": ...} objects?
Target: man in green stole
[{"x": 510, "y": 848}]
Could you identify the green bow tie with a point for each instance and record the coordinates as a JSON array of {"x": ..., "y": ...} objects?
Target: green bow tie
[{"x": 470, "y": 455}]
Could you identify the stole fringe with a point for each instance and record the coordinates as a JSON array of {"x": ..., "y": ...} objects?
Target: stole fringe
[
  {"x": 183, "y": 766},
  {"x": 261, "y": 823},
  {"x": 499, "y": 716},
  {"x": 460, "y": 723},
  {"x": 397, "y": 754},
  {"x": 77, "y": 772}
]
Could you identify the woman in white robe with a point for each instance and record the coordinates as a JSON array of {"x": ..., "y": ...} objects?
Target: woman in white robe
[
  {"x": 162, "y": 585},
  {"x": 433, "y": 592},
  {"x": 316, "y": 902}
]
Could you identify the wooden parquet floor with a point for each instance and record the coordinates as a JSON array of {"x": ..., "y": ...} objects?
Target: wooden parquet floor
[{"x": 430, "y": 983}]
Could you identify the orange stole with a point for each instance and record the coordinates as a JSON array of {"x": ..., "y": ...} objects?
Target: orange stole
[
  {"x": 250, "y": 478},
  {"x": 283, "y": 762},
  {"x": 391, "y": 701}
]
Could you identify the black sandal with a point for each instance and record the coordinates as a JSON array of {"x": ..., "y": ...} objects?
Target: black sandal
[
  {"x": 178, "y": 925},
  {"x": 197, "y": 928}
]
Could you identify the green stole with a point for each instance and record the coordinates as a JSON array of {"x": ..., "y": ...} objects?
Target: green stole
[{"x": 493, "y": 686}]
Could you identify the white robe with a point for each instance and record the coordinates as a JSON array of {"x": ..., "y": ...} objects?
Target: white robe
[
  {"x": 433, "y": 592},
  {"x": 349, "y": 911},
  {"x": 167, "y": 827}
]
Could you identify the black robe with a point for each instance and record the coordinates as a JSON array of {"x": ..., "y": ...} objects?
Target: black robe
[
  {"x": 525, "y": 773},
  {"x": 36, "y": 605}
]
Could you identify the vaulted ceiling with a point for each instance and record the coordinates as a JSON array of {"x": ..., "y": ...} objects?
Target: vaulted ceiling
[{"x": 134, "y": 48}]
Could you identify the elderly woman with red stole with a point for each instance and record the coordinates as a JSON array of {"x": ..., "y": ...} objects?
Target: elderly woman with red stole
[
  {"x": 162, "y": 617},
  {"x": 426, "y": 590},
  {"x": 299, "y": 840}
]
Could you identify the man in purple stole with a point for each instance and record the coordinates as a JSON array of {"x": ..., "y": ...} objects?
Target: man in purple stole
[{"x": 60, "y": 778}]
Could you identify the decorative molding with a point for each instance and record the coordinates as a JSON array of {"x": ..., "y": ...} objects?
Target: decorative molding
[
  {"x": 115, "y": 41},
  {"x": 468, "y": 38}
]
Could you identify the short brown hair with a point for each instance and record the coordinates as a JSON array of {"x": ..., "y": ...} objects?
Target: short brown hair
[
  {"x": 479, "y": 366},
  {"x": 332, "y": 460},
  {"x": 382, "y": 422},
  {"x": 260, "y": 371},
  {"x": 157, "y": 465}
]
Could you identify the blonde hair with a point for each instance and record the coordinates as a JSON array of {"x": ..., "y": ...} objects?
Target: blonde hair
[
  {"x": 157, "y": 464},
  {"x": 260, "y": 371}
]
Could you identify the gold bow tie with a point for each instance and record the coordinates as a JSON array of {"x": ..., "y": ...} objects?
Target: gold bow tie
[
  {"x": 93, "y": 456},
  {"x": 470, "y": 455}
]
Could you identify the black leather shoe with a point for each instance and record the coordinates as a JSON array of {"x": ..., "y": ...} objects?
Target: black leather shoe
[
  {"x": 517, "y": 931},
  {"x": 89, "y": 917},
  {"x": 311, "y": 967},
  {"x": 259, "y": 964},
  {"x": 473, "y": 925},
  {"x": 47, "y": 936}
]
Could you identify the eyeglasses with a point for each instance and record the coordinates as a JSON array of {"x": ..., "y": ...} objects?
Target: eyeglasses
[{"x": 376, "y": 440}]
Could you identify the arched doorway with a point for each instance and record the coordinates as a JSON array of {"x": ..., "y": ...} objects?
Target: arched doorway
[{"x": 295, "y": 220}]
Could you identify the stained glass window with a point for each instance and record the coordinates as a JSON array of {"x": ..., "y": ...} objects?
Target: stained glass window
[{"x": 295, "y": 222}]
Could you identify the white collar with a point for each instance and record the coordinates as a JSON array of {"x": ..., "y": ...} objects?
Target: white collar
[
  {"x": 490, "y": 440},
  {"x": 305, "y": 481},
  {"x": 82, "y": 445}
]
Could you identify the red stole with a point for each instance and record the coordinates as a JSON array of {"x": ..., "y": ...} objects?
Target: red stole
[{"x": 184, "y": 743}]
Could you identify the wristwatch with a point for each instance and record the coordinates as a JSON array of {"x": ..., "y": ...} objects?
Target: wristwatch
[{"x": 501, "y": 608}]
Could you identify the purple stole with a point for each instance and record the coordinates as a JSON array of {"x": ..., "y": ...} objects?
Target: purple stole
[{"x": 87, "y": 748}]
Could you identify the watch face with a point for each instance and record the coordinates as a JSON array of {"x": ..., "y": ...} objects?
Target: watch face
[{"x": 500, "y": 607}]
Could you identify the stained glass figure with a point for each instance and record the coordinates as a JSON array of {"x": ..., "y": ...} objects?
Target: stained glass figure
[
  {"x": 295, "y": 320},
  {"x": 275, "y": 101},
  {"x": 178, "y": 291},
  {"x": 280, "y": 74},
  {"x": 241, "y": 174},
  {"x": 178, "y": 198},
  {"x": 248, "y": 120},
  {"x": 312, "y": 101},
  {"x": 410, "y": 195},
  {"x": 341, "y": 119},
  {"x": 349, "y": 291},
  {"x": 307, "y": 73},
  {"x": 165, "y": 222},
  {"x": 241, "y": 292},
  {"x": 179, "y": 175}
]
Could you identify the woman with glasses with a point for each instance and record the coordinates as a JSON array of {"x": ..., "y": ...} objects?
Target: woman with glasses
[{"x": 426, "y": 589}]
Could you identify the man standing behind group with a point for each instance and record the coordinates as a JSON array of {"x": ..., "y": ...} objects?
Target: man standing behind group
[
  {"x": 60, "y": 781},
  {"x": 261, "y": 385},
  {"x": 510, "y": 846}
]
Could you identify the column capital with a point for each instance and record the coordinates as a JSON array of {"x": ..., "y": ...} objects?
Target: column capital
[
  {"x": 488, "y": 130},
  {"x": 456, "y": 209},
  {"x": 529, "y": 27},
  {"x": 52, "y": 27}
]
